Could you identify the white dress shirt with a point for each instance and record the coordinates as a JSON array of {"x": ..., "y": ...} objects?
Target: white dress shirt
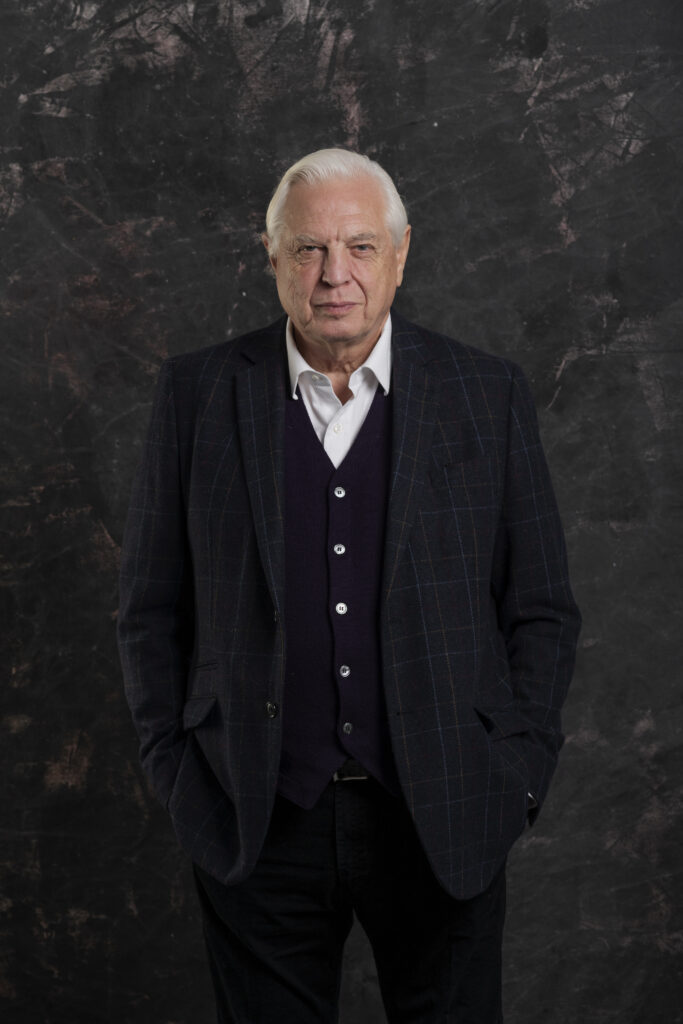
[{"x": 335, "y": 423}]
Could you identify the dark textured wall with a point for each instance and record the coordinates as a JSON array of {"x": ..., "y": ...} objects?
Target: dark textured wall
[{"x": 539, "y": 146}]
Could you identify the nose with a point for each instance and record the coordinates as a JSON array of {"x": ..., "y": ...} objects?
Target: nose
[{"x": 336, "y": 267}]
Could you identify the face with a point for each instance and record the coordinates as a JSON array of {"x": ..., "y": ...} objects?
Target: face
[{"x": 337, "y": 268}]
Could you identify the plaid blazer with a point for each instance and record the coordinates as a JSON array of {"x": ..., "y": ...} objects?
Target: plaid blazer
[{"x": 478, "y": 624}]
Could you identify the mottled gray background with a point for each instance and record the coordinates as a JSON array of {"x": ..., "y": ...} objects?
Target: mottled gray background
[{"x": 538, "y": 145}]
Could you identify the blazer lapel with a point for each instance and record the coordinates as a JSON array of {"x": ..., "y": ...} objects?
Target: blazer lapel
[
  {"x": 260, "y": 398},
  {"x": 415, "y": 398}
]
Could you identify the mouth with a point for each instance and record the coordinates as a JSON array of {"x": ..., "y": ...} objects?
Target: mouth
[{"x": 335, "y": 308}]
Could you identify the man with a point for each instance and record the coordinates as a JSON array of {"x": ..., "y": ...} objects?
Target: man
[{"x": 346, "y": 626}]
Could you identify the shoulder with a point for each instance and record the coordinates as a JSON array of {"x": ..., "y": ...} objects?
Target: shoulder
[
  {"x": 453, "y": 359},
  {"x": 228, "y": 357},
  {"x": 473, "y": 386}
]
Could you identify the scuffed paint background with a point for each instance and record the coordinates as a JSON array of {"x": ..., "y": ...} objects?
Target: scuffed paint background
[{"x": 539, "y": 145}]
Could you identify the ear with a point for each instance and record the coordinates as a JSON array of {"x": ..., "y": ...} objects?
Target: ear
[
  {"x": 266, "y": 243},
  {"x": 402, "y": 255}
]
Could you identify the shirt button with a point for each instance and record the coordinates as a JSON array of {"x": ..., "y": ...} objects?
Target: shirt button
[
  {"x": 344, "y": 671},
  {"x": 348, "y": 728},
  {"x": 338, "y": 428},
  {"x": 339, "y": 549},
  {"x": 339, "y": 492},
  {"x": 271, "y": 709},
  {"x": 341, "y": 608}
]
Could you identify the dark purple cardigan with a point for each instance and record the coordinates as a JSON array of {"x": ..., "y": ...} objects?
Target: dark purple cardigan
[{"x": 333, "y": 703}]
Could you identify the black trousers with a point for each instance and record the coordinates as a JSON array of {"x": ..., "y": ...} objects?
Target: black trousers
[{"x": 275, "y": 941}]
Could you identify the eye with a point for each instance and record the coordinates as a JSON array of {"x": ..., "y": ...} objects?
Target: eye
[{"x": 362, "y": 247}]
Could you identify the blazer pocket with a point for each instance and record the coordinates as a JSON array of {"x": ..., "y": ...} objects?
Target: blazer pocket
[
  {"x": 202, "y": 681},
  {"x": 501, "y": 722},
  {"x": 196, "y": 710},
  {"x": 506, "y": 734}
]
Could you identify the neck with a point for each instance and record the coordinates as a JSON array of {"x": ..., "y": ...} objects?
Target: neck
[
  {"x": 336, "y": 357},
  {"x": 337, "y": 361}
]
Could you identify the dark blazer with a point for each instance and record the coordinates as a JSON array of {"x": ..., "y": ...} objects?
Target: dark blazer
[{"x": 478, "y": 624}]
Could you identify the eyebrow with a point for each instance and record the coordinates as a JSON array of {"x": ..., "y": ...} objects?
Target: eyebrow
[{"x": 363, "y": 236}]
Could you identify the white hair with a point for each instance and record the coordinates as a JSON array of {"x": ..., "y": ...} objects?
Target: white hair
[{"x": 334, "y": 163}]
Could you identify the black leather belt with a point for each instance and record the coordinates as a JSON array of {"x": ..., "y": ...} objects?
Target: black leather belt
[{"x": 350, "y": 771}]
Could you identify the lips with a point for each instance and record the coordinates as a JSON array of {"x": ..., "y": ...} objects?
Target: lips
[{"x": 335, "y": 308}]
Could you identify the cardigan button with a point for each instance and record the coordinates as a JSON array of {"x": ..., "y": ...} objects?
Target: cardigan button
[
  {"x": 271, "y": 709},
  {"x": 339, "y": 492}
]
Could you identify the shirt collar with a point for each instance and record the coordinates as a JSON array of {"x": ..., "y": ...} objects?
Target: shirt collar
[{"x": 379, "y": 360}]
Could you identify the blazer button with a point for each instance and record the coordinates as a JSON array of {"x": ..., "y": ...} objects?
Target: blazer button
[{"x": 271, "y": 709}]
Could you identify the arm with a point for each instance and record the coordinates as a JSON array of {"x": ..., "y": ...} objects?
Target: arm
[
  {"x": 155, "y": 625},
  {"x": 537, "y": 616}
]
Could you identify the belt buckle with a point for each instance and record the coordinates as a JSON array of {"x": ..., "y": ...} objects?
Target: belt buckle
[{"x": 351, "y": 771}]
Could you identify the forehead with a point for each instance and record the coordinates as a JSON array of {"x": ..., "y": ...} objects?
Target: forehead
[{"x": 335, "y": 206}]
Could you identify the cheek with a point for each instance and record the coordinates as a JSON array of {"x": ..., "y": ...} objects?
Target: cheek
[
  {"x": 300, "y": 282},
  {"x": 369, "y": 279},
  {"x": 295, "y": 294},
  {"x": 288, "y": 285},
  {"x": 377, "y": 285}
]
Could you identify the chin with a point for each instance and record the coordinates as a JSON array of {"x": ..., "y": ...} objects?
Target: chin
[
  {"x": 343, "y": 325},
  {"x": 341, "y": 334}
]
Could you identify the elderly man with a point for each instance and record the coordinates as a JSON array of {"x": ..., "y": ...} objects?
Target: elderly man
[{"x": 346, "y": 625}]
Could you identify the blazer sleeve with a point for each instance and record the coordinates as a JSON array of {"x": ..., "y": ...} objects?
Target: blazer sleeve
[
  {"x": 537, "y": 614},
  {"x": 155, "y": 622}
]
